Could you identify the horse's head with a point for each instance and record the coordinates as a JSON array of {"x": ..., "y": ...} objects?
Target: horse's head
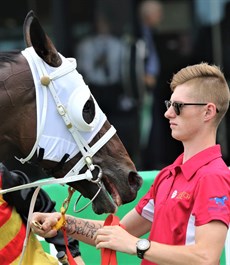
[{"x": 70, "y": 134}]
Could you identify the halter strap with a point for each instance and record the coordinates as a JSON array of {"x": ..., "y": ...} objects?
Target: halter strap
[{"x": 71, "y": 178}]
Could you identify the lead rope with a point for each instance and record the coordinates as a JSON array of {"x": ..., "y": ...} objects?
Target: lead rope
[
  {"x": 108, "y": 256},
  {"x": 60, "y": 225},
  {"x": 62, "y": 221},
  {"x": 69, "y": 256}
]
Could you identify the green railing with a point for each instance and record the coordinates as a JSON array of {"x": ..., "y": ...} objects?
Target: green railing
[{"x": 90, "y": 255}]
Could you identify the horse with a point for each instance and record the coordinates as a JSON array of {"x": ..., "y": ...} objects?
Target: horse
[{"x": 50, "y": 118}]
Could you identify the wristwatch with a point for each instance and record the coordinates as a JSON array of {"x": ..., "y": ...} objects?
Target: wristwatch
[{"x": 142, "y": 246}]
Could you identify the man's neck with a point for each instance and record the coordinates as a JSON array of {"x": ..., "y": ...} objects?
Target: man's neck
[{"x": 193, "y": 147}]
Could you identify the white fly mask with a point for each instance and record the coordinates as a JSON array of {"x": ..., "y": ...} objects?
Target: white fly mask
[{"x": 63, "y": 91}]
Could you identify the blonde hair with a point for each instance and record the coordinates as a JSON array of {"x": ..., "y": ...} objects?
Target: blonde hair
[{"x": 208, "y": 83}]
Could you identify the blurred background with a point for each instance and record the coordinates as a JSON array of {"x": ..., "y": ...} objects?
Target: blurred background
[{"x": 127, "y": 52}]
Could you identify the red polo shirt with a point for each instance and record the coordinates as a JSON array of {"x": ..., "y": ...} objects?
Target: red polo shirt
[{"x": 187, "y": 195}]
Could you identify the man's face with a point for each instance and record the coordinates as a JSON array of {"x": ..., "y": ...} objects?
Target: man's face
[{"x": 188, "y": 124}]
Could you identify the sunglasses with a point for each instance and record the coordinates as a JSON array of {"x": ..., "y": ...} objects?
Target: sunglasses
[{"x": 177, "y": 106}]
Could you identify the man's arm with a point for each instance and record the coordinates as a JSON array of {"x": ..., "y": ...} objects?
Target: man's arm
[
  {"x": 84, "y": 229},
  {"x": 209, "y": 238},
  {"x": 135, "y": 224},
  {"x": 78, "y": 228},
  {"x": 209, "y": 242},
  {"x": 207, "y": 249}
]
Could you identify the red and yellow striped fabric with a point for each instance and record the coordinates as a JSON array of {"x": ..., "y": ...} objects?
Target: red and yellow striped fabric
[{"x": 13, "y": 231}]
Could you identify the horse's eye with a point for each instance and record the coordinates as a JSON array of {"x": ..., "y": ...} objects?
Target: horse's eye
[{"x": 89, "y": 110}]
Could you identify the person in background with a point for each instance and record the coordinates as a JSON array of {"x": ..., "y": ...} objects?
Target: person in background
[
  {"x": 150, "y": 14},
  {"x": 20, "y": 201},
  {"x": 187, "y": 209},
  {"x": 100, "y": 57},
  {"x": 174, "y": 52}
]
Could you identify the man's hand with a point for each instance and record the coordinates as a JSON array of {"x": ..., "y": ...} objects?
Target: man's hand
[
  {"x": 42, "y": 223},
  {"x": 116, "y": 238}
]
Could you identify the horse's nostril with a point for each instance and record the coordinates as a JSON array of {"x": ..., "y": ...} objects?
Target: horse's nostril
[{"x": 135, "y": 180}]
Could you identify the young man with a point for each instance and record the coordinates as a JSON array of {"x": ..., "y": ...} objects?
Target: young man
[{"x": 187, "y": 209}]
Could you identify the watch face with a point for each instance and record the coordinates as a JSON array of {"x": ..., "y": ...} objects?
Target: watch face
[{"x": 143, "y": 244}]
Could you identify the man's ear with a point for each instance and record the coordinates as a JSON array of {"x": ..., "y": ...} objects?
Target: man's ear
[{"x": 210, "y": 111}]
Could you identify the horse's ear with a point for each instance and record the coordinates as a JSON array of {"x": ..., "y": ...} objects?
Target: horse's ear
[{"x": 35, "y": 36}]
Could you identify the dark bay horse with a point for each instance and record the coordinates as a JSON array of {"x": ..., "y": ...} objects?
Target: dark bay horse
[{"x": 49, "y": 117}]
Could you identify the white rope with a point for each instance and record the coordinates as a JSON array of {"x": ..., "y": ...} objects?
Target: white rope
[{"x": 31, "y": 209}]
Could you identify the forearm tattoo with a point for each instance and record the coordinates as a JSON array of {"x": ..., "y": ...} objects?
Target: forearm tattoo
[{"x": 81, "y": 227}]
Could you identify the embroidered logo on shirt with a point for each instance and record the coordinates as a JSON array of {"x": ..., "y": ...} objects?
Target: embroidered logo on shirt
[
  {"x": 219, "y": 200},
  {"x": 183, "y": 195}
]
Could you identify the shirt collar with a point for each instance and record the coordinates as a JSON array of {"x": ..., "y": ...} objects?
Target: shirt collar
[{"x": 202, "y": 158}]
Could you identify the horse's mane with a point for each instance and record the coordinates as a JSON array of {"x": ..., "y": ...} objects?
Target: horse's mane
[{"x": 8, "y": 57}]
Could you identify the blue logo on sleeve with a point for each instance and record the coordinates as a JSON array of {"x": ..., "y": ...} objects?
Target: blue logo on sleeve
[{"x": 219, "y": 200}]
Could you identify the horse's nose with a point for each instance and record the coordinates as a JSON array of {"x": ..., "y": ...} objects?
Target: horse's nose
[{"x": 135, "y": 181}]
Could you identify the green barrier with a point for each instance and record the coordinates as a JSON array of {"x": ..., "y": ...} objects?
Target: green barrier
[{"x": 89, "y": 253}]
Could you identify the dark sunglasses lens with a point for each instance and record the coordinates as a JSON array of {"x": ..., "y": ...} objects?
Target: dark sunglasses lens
[{"x": 176, "y": 108}]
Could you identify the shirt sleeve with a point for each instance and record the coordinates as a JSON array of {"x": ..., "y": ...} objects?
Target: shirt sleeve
[
  {"x": 212, "y": 200},
  {"x": 145, "y": 207}
]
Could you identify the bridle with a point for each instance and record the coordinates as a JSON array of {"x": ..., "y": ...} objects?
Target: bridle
[{"x": 47, "y": 82}]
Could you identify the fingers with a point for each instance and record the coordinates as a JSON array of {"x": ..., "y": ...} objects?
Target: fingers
[
  {"x": 107, "y": 236},
  {"x": 115, "y": 238},
  {"x": 42, "y": 223}
]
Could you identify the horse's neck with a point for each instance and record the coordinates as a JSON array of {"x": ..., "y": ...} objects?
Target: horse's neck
[{"x": 17, "y": 108}]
